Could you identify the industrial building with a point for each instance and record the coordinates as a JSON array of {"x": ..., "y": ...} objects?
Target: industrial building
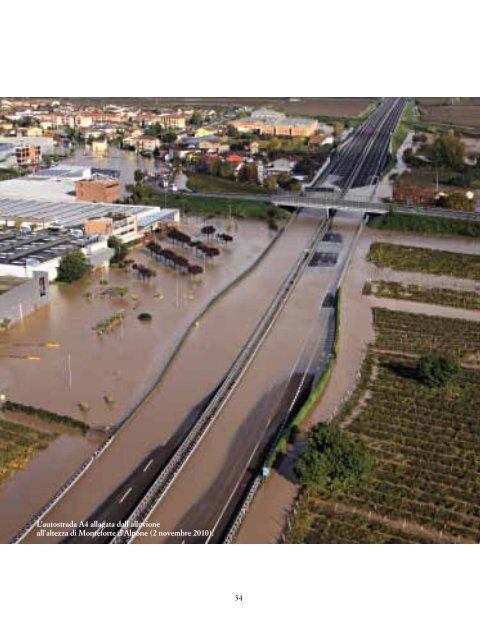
[
  {"x": 24, "y": 254},
  {"x": 42, "y": 214},
  {"x": 268, "y": 122},
  {"x": 92, "y": 190},
  {"x": 20, "y": 297}
]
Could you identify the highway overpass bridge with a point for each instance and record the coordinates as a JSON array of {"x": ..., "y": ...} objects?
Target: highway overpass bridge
[
  {"x": 335, "y": 201},
  {"x": 364, "y": 205}
]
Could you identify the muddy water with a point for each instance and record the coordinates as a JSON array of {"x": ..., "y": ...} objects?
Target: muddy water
[
  {"x": 197, "y": 498},
  {"x": 198, "y": 367},
  {"x": 121, "y": 364},
  {"x": 124, "y": 161}
]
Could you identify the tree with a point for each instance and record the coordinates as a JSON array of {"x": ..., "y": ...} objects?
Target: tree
[
  {"x": 436, "y": 370},
  {"x": 73, "y": 265},
  {"x": 170, "y": 136},
  {"x": 448, "y": 150},
  {"x": 333, "y": 459},
  {"x": 459, "y": 202},
  {"x": 271, "y": 183},
  {"x": 338, "y": 129},
  {"x": 138, "y": 176},
  {"x": 119, "y": 248},
  {"x": 196, "y": 119}
]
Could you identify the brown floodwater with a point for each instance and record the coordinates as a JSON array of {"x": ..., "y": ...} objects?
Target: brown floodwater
[
  {"x": 196, "y": 499},
  {"x": 121, "y": 364},
  {"x": 198, "y": 367}
]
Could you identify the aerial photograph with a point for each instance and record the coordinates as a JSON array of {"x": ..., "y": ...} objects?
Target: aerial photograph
[{"x": 239, "y": 320}]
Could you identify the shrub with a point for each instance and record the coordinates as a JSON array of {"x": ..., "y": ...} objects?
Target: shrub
[
  {"x": 119, "y": 248},
  {"x": 73, "y": 266},
  {"x": 436, "y": 370}
]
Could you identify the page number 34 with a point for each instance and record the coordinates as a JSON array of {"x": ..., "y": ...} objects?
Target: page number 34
[{"x": 238, "y": 598}]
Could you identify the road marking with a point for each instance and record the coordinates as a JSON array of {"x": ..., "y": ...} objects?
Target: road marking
[
  {"x": 148, "y": 464},
  {"x": 125, "y": 495}
]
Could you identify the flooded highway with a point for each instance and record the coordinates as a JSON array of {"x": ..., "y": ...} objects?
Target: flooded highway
[
  {"x": 196, "y": 500},
  {"x": 197, "y": 369}
]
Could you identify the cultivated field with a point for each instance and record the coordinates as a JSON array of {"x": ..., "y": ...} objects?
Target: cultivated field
[
  {"x": 18, "y": 443},
  {"x": 435, "y": 262},
  {"x": 341, "y": 107},
  {"x": 463, "y": 112},
  {"x": 425, "y": 444},
  {"x": 418, "y": 293}
]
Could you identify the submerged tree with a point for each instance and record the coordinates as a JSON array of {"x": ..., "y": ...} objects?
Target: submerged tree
[{"x": 73, "y": 265}]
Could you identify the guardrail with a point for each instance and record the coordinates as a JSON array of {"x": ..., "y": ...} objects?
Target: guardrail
[
  {"x": 81, "y": 470},
  {"x": 170, "y": 472}
]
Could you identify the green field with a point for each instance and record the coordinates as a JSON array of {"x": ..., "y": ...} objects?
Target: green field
[
  {"x": 423, "y": 224},
  {"x": 205, "y": 183},
  {"x": 17, "y": 446},
  {"x": 204, "y": 206},
  {"x": 418, "y": 293},
  {"x": 432, "y": 261},
  {"x": 425, "y": 444}
]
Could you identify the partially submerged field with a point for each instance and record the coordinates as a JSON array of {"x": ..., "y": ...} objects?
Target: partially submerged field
[
  {"x": 418, "y": 293},
  {"x": 425, "y": 443},
  {"x": 18, "y": 444},
  {"x": 423, "y": 260}
]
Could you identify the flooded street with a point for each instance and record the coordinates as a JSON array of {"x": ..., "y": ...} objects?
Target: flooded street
[
  {"x": 120, "y": 365},
  {"x": 198, "y": 367},
  {"x": 121, "y": 160}
]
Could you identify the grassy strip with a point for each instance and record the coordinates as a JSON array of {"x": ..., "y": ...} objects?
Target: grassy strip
[
  {"x": 43, "y": 414},
  {"x": 315, "y": 395},
  {"x": 18, "y": 444},
  {"x": 403, "y": 127},
  {"x": 419, "y": 259},
  {"x": 218, "y": 206},
  {"x": 417, "y": 293},
  {"x": 420, "y": 224},
  {"x": 214, "y": 184}
]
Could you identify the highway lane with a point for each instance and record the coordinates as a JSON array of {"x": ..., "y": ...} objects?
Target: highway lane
[
  {"x": 361, "y": 160},
  {"x": 206, "y": 492}
]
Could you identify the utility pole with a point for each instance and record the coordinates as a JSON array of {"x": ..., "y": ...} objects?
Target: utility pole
[{"x": 69, "y": 371}]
